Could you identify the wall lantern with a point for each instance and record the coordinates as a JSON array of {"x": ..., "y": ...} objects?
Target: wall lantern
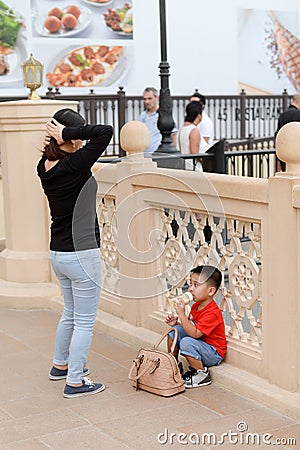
[{"x": 33, "y": 76}]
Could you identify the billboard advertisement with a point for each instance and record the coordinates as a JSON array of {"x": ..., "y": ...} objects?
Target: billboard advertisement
[{"x": 216, "y": 47}]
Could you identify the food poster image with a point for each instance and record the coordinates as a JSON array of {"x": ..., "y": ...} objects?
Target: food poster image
[
  {"x": 13, "y": 44},
  {"x": 269, "y": 51},
  {"x": 81, "y": 43},
  {"x": 100, "y": 45},
  {"x": 85, "y": 41},
  {"x": 82, "y": 18}
]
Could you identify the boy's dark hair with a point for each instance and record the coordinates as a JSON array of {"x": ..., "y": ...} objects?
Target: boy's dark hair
[
  {"x": 212, "y": 275},
  {"x": 192, "y": 110},
  {"x": 69, "y": 118}
]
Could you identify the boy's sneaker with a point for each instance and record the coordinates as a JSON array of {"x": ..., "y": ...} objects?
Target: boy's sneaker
[
  {"x": 196, "y": 378},
  {"x": 87, "y": 388},
  {"x": 59, "y": 374},
  {"x": 180, "y": 366}
]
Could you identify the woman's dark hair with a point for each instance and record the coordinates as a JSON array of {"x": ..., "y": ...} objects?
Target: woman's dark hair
[
  {"x": 201, "y": 98},
  {"x": 69, "y": 118},
  {"x": 192, "y": 110}
]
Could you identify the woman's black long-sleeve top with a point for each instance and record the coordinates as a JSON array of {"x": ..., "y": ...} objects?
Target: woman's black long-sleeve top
[{"x": 71, "y": 190}]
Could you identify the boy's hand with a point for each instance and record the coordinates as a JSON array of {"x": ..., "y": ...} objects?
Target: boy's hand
[
  {"x": 180, "y": 307},
  {"x": 171, "y": 320}
]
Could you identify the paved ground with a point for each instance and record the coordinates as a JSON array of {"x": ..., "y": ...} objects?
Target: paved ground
[{"x": 35, "y": 416}]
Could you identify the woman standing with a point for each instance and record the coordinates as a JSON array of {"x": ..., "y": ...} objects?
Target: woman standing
[
  {"x": 66, "y": 178},
  {"x": 189, "y": 139}
]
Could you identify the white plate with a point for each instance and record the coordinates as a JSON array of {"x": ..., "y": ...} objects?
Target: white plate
[
  {"x": 15, "y": 59},
  {"x": 97, "y": 4},
  {"x": 83, "y": 21},
  {"x": 120, "y": 32},
  {"x": 120, "y": 69}
]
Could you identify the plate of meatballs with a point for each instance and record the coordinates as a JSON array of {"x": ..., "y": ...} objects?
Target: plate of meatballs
[
  {"x": 88, "y": 66},
  {"x": 63, "y": 22}
]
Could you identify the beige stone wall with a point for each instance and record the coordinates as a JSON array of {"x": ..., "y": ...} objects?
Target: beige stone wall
[
  {"x": 146, "y": 260},
  {"x": 26, "y": 277},
  {"x": 255, "y": 242},
  {"x": 148, "y": 263},
  {"x": 2, "y": 228}
]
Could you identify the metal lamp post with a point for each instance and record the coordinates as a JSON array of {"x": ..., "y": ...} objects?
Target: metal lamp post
[{"x": 165, "y": 118}]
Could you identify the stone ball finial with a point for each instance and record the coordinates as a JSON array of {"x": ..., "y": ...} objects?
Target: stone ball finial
[
  {"x": 288, "y": 146},
  {"x": 134, "y": 137}
]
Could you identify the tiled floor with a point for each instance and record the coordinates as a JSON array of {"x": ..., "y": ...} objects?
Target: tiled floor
[{"x": 35, "y": 416}]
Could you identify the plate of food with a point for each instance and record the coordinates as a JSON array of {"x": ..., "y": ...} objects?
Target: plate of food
[
  {"x": 12, "y": 45},
  {"x": 120, "y": 20},
  {"x": 10, "y": 64},
  {"x": 98, "y": 2},
  {"x": 63, "y": 22},
  {"x": 91, "y": 65}
]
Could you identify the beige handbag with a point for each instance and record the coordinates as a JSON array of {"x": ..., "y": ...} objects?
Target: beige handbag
[{"x": 157, "y": 371}]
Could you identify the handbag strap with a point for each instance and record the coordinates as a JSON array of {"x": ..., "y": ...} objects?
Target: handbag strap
[
  {"x": 165, "y": 335},
  {"x": 150, "y": 368}
]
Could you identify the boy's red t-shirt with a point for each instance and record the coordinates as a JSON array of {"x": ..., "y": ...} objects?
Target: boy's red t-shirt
[{"x": 210, "y": 322}]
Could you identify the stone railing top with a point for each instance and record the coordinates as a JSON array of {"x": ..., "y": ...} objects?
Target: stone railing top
[
  {"x": 287, "y": 146},
  {"x": 134, "y": 137}
]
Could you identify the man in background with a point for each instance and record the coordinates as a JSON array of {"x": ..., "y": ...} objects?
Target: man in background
[
  {"x": 292, "y": 114},
  {"x": 206, "y": 126},
  {"x": 150, "y": 118}
]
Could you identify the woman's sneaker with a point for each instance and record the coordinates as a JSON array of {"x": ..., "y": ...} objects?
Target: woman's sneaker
[
  {"x": 60, "y": 374},
  {"x": 87, "y": 388},
  {"x": 196, "y": 378}
]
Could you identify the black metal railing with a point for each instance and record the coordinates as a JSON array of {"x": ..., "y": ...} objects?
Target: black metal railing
[
  {"x": 251, "y": 157},
  {"x": 234, "y": 116}
]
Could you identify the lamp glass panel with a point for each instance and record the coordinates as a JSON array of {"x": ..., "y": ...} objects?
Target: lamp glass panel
[
  {"x": 39, "y": 74},
  {"x": 30, "y": 75}
]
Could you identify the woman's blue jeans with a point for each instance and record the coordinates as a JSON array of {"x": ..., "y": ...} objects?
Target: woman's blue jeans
[{"x": 79, "y": 275}]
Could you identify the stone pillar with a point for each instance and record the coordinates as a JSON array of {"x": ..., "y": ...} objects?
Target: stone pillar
[
  {"x": 134, "y": 138},
  {"x": 134, "y": 223},
  {"x": 282, "y": 262},
  {"x": 24, "y": 263}
]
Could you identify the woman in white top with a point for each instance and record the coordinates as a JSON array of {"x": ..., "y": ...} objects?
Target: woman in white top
[{"x": 189, "y": 139}]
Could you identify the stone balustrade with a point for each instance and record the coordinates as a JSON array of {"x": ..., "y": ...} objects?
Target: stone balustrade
[{"x": 156, "y": 224}]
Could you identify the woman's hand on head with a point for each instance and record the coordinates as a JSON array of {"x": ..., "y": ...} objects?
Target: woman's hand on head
[{"x": 54, "y": 129}]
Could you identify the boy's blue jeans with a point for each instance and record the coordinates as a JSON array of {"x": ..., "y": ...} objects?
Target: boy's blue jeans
[
  {"x": 79, "y": 274},
  {"x": 196, "y": 348}
]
